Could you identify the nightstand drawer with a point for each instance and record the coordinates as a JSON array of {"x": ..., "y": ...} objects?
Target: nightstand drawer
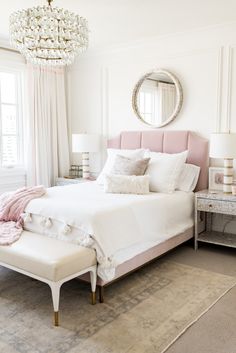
[{"x": 216, "y": 206}]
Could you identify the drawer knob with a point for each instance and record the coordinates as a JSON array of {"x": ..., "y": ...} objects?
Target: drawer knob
[{"x": 210, "y": 205}]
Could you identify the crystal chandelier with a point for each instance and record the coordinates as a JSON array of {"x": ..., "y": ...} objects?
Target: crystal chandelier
[{"x": 48, "y": 35}]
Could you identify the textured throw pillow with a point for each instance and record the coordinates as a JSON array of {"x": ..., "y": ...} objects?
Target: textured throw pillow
[
  {"x": 164, "y": 170},
  {"x": 127, "y": 166},
  {"x": 188, "y": 177},
  {"x": 111, "y": 154},
  {"x": 126, "y": 184}
]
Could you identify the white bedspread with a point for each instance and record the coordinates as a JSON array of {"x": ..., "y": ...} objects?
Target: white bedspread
[{"x": 83, "y": 211}]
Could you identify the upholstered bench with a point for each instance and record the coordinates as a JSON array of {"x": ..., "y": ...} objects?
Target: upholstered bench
[{"x": 51, "y": 261}]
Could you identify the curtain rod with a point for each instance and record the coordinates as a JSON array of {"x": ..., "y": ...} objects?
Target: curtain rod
[{"x": 151, "y": 79}]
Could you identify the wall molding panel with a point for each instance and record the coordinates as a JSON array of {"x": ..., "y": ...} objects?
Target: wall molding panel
[
  {"x": 219, "y": 90},
  {"x": 104, "y": 110},
  {"x": 229, "y": 89},
  {"x": 110, "y": 72}
]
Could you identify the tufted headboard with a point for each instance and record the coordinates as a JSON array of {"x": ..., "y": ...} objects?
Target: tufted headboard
[{"x": 169, "y": 142}]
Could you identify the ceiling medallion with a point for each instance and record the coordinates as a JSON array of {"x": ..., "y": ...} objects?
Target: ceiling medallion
[{"x": 48, "y": 35}]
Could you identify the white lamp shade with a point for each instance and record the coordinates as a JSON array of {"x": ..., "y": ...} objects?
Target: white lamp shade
[
  {"x": 223, "y": 145},
  {"x": 85, "y": 143}
]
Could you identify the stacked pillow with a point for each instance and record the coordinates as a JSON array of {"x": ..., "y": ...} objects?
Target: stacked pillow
[
  {"x": 111, "y": 155},
  {"x": 164, "y": 170},
  {"x": 188, "y": 178},
  {"x": 138, "y": 171},
  {"x": 127, "y": 166}
]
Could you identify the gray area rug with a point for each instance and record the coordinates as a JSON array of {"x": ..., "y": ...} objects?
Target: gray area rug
[{"x": 143, "y": 313}]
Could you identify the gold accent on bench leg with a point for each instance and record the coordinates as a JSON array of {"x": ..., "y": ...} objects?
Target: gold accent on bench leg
[
  {"x": 56, "y": 318},
  {"x": 93, "y": 298},
  {"x": 101, "y": 294}
]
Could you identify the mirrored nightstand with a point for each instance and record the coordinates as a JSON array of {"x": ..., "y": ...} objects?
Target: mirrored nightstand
[{"x": 210, "y": 202}]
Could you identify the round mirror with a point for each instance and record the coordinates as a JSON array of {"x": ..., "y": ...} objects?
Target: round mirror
[{"x": 157, "y": 98}]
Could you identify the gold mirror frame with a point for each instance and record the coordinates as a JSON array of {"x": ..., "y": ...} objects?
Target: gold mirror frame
[{"x": 179, "y": 96}]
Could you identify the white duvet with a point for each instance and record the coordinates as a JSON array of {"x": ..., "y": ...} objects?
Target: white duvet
[{"x": 84, "y": 214}]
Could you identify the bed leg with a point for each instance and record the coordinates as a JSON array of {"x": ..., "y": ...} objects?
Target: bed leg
[{"x": 101, "y": 294}]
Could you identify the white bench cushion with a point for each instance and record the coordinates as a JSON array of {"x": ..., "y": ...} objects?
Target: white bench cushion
[{"x": 46, "y": 257}]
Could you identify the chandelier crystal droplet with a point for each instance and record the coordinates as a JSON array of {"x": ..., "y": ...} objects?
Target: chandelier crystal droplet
[{"x": 48, "y": 35}]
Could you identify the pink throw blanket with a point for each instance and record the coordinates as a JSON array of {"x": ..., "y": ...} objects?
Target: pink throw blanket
[{"x": 12, "y": 205}]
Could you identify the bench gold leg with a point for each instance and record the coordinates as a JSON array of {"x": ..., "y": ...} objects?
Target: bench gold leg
[
  {"x": 56, "y": 318},
  {"x": 93, "y": 297}
]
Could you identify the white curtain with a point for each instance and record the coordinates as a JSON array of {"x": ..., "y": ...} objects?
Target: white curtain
[
  {"x": 167, "y": 100},
  {"x": 48, "y": 145}
]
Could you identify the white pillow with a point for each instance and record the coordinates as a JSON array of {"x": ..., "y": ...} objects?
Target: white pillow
[
  {"x": 188, "y": 178},
  {"x": 164, "y": 170},
  {"x": 126, "y": 184},
  {"x": 111, "y": 154}
]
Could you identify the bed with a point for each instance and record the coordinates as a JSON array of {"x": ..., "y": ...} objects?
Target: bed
[{"x": 141, "y": 228}]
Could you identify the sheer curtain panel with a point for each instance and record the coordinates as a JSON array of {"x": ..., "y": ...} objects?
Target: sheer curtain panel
[{"x": 48, "y": 149}]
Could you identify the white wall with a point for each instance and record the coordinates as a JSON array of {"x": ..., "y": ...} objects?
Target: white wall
[{"x": 101, "y": 83}]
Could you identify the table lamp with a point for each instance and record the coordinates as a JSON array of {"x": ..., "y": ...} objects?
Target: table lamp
[
  {"x": 223, "y": 145},
  {"x": 85, "y": 143}
]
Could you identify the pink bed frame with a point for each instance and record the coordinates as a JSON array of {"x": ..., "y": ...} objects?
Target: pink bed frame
[{"x": 168, "y": 142}]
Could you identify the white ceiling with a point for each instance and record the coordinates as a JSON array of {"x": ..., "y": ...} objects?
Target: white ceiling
[{"x": 113, "y": 22}]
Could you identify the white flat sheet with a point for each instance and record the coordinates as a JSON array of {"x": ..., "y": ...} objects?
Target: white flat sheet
[{"x": 115, "y": 222}]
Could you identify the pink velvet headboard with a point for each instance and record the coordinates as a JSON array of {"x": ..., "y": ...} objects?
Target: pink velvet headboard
[{"x": 169, "y": 142}]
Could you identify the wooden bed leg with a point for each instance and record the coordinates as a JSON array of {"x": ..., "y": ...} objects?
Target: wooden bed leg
[{"x": 101, "y": 294}]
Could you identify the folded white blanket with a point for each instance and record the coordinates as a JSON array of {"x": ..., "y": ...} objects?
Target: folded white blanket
[{"x": 112, "y": 221}]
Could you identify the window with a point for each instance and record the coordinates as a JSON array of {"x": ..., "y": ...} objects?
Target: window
[
  {"x": 146, "y": 103},
  {"x": 157, "y": 101},
  {"x": 11, "y": 147}
]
